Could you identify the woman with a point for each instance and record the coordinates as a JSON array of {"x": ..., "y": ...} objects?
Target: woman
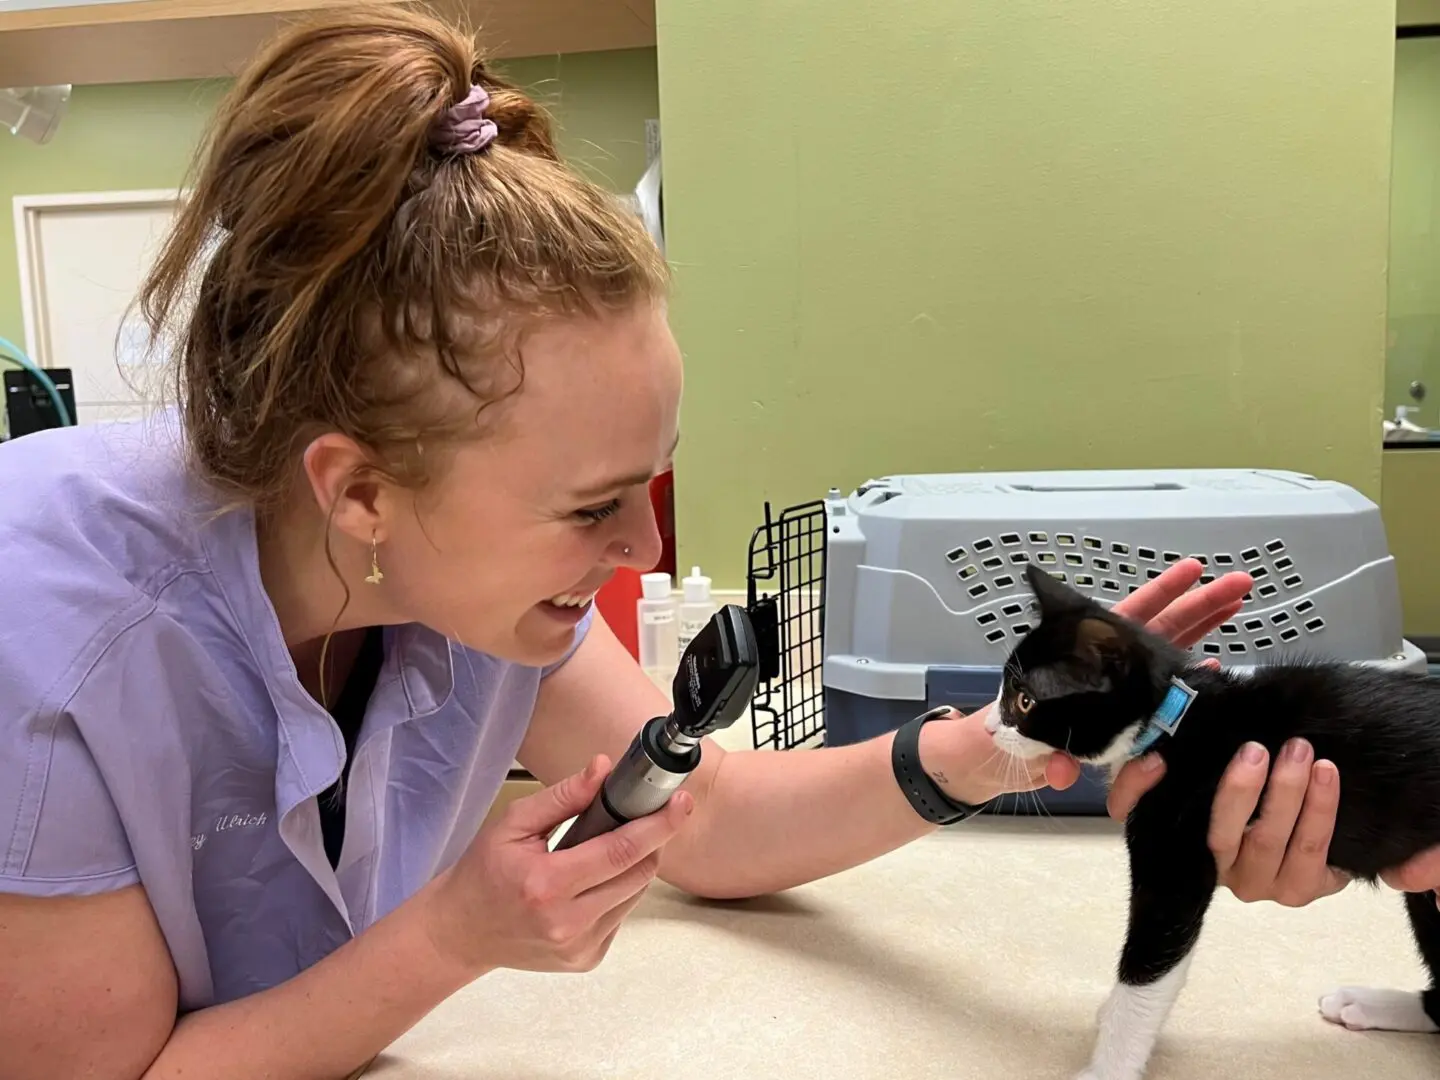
[{"x": 279, "y": 654}]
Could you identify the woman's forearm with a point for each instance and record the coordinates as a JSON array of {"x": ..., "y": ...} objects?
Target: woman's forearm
[
  {"x": 329, "y": 1020},
  {"x": 775, "y": 819}
]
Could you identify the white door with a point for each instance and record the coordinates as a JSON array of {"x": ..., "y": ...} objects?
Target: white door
[{"x": 82, "y": 259}]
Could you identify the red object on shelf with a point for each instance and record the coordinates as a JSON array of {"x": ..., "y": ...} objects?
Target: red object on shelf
[{"x": 616, "y": 601}]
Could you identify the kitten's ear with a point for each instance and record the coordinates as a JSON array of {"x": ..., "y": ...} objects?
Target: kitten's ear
[
  {"x": 1054, "y": 596},
  {"x": 1102, "y": 644}
]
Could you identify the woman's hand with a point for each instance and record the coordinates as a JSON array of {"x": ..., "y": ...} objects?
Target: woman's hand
[
  {"x": 510, "y": 902},
  {"x": 1282, "y": 856},
  {"x": 961, "y": 757}
]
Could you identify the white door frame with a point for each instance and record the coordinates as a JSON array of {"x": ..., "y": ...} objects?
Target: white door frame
[{"x": 28, "y": 209}]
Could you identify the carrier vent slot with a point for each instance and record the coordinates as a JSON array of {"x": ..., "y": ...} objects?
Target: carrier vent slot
[
  {"x": 1084, "y": 581},
  {"x": 1094, "y": 543},
  {"x": 1275, "y": 547},
  {"x": 1293, "y": 581},
  {"x": 965, "y": 573},
  {"x": 1267, "y": 590},
  {"x": 1019, "y": 558},
  {"x": 1315, "y": 625},
  {"x": 1020, "y": 629},
  {"x": 1280, "y": 618},
  {"x": 1065, "y": 539},
  {"x": 956, "y": 554},
  {"x": 1250, "y": 555},
  {"x": 1128, "y": 570},
  {"x": 1102, "y": 565},
  {"x": 1009, "y": 539},
  {"x": 1039, "y": 538},
  {"x": 1263, "y": 643},
  {"x": 994, "y": 562},
  {"x": 1258, "y": 572},
  {"x": 1074, "y": 559},
  {"x": 979, "y": 590},
  {"x": 1145, "y": 554},
  {"x": 1004, "y": 582},
  {"x": 1284, "y": 564},
  {"x": 1120, "y": 549},
  {"x": 1045, "y": 558},
  {"x": 986, "y": 619},
  {"x": 1304, "y": 606},
  {"x": 1110, "y": 586},
  {"x": 1172, "y": 556},
  {"x": 1229, "y": 629},
  {"x": 1211, "y": 648},
  {"x": 1224, "y": 560},
  {"x": 1152, "y": 573},
  {"x": 995, "y": 635},
  {"x": 984, "y": 544},
  {"x": 1237, "y": 646},
  {"x": 1206, "y": 579},
  {"x": 1203, "y": 560},
  {"x": 1252, "y": 625},
  {"x": 1012, "y": 610},
  {"x": 1289, "y": 634}
]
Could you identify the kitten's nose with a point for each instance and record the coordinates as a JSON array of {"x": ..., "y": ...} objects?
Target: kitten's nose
[{"x": 992, "y": 719}]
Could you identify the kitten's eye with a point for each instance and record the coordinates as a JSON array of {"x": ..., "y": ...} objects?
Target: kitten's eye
[{"x": 1024, "y": 703}]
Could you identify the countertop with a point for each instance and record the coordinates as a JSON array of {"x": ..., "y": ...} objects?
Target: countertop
[{"x": 982, "y": 951}]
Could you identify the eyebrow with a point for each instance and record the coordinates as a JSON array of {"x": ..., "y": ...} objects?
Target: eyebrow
[{"x": 643, "y": 476}]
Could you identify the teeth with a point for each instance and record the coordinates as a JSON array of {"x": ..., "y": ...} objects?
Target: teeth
[{"x": 572, "y": 599}]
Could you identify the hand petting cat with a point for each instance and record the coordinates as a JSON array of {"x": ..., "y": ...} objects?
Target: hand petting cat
[{"x": 959, "y": 754}]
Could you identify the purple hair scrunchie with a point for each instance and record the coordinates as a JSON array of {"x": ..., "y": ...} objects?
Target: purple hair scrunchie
[{"x": 463, "y": 128}]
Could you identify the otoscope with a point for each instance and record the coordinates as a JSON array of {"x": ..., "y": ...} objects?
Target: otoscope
[{"x": 712, "y": 688}]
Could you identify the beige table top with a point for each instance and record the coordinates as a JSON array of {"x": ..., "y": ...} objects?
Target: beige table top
[{"x": 980, "y": 952}]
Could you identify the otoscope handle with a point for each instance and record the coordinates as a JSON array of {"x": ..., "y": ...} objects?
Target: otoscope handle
[{"x": 641, "y": 783}]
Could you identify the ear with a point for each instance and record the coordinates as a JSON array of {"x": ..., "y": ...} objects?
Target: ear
[
  {"x": 346, "y": 490},
  {"x": 1102, "y": 644},
  {"x": 1054, "y": 596}
]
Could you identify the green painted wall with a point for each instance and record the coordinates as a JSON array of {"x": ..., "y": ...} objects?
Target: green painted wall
[
  {"x": 143, "y": 136},
  {"x": 1414, "y": 338},
  {"x": 1016, "y": 234}
]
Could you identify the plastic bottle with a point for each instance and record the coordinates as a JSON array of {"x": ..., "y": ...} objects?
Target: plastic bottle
[
  {"x": 657, "y": 626},
  {"x": 696, "y": 609}
]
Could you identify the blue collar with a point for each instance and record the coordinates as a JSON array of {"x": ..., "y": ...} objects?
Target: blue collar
[{"x": 1166, "y": 720}]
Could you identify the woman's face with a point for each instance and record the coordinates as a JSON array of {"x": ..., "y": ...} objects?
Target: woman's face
[{"x": 505, "y": 552}]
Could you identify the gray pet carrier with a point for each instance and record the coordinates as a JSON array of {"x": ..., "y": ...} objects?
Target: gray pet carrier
[{"x": 910, "y": 592}]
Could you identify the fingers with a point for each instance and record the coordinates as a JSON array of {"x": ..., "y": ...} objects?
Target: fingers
[
  {"x": 1304, "y": 875},
  {"x": 1191, "y": 634},
  {"x": 1197, "y": 613},
  {"x": 1061, "y": 771},
  {"x": 1131, "y": 783},
  {"x": 1155, "y": 596},
  {"x": 1252, "y": 876},
  {"x": 1420, "y": 874},
  {"x": 608, "y": 856},
  {"x": 1235, "y": 801},
  {"x": 598, "y": 903},
  {"x": 538, "y": 814}
]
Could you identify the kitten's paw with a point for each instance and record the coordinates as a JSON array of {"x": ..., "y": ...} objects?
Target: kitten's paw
[{"x": 1360, "y": 1008}]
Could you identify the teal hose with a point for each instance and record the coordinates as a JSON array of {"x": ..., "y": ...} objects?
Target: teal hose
[{"x": 14, "y": 352}]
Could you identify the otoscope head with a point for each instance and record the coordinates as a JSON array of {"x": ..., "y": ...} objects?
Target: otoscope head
[{"x": 718, "y": 674}]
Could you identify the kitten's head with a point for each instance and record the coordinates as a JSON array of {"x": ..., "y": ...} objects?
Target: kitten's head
[{"x": 1082, "y": 680}]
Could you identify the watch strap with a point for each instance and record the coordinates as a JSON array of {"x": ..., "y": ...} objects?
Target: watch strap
[{"x": 924, "y": 795}]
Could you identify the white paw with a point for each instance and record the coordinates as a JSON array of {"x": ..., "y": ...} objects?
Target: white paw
[{"x": 1360, "y": 1008}]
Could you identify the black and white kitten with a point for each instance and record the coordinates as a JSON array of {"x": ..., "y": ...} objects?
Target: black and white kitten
[{"x": 1091, "y": 683}]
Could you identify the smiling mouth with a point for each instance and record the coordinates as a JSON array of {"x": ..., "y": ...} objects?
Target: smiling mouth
[{"x": 571, "y": 600}]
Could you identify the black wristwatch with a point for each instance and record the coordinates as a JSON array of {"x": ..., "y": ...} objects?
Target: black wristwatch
[{"x": 925, "y": 796}]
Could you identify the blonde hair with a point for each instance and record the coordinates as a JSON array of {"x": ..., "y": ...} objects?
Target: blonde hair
[{"x": 332, "y": 270}]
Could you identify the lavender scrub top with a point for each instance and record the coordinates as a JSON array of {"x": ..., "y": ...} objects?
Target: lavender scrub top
[{"x": 153, "y": 729}]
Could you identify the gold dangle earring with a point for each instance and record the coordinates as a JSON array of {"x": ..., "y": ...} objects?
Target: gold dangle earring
[{"x": 375, "y": 575}]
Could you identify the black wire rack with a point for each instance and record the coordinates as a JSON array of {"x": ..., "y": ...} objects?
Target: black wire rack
[{"x": 786, "y": 602}]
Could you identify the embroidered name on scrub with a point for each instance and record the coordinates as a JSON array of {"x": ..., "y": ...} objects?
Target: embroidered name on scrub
[{"x": 228, "y": 822}]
